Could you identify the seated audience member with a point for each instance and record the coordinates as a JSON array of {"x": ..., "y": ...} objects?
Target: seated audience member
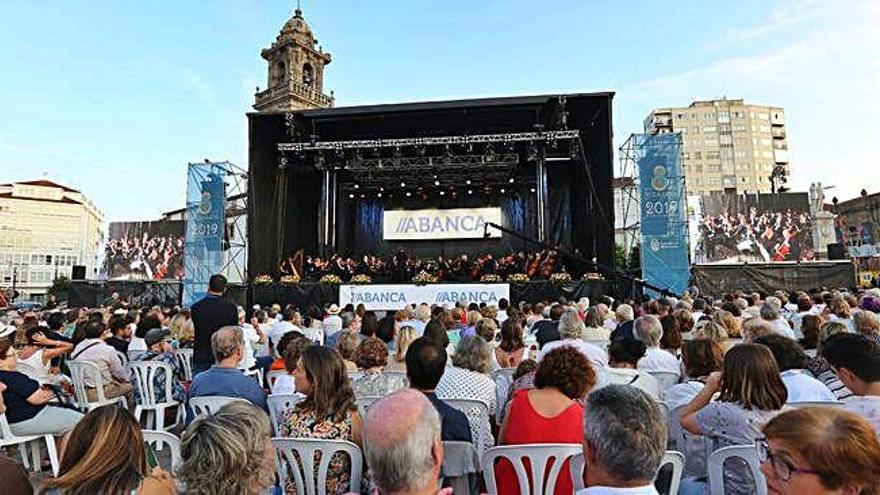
[
  {"x": 402, "y": 444},
  {"x": 228, "y": 452},
  {"x": 820, "y": 451},
  {"x": 671, "y": 339},
  {"x": 26, "y": 403},
  {"x": 291, "y": 322},
  {"x": 792, "y": 362},
  {"x": 347, "y": 344},
  {"x": 804, "y": 308},
  {"x": 159, "y": 349},
  {"x": 328, "y": 411},
  {"x": 38, "y": 353},
  {"x": 548, "y": 330},
  {"x": 701, "y": 358},
  {"x": 387, "y": 332},
  {"x": 868, "y": 324},
  {"x": 332, "y": 323},
  {"x": 512, "y": 349},
  {"x": 731, "y": 324},
  {"x": 810, "y": 325},
  {"x": 105, "y": 453},
  {"x": 523, "y": 379},
  {"x": 549, "y": 412},
  {"x": 594, "y": 324},
  {"x": 751, "y": 393},
  {"x": 624, "y": 439},
  {"x": 425, "y": 364},
  {"x": 285, "y": 384},
  {"x": 252, "y": 338},
  {"x": 571, "y": 331},
  {"x": 755, "y": 327},
  {"x": 137, "y": 346},
  {"x": 94, "y": 349},
  {"x": 397, "y": 361},
  {"x": 714, "y": 332},
  {"x": 649, "y": 331},
  {"x": 819, "y": 366},
  {"x": 279, "y": 364},
  {"x": 770, "y": 314},
  {"x": 840, "y": 312},
  {"x": 470, "y": 329},
  {"x": 468, "y": 377},
  {"x": 371, "y": 357},
  {"x": 857, "y": 361},
  {"x": 623, "y": 358},
  {"x": 625, "y": 318},
  {"x": 225, "y": 378},
  {"x": 121, "y": 329},
  {"x": 182, "y": 329}
]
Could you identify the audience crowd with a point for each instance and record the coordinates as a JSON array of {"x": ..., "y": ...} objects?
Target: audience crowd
[{"x": 793, "y": 377}]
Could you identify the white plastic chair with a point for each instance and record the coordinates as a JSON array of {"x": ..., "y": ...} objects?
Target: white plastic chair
[
  {"x": 256, "y": 373},
  {"x": 477, "y": 413},
  {"x": 300, "y": 468},
  {"x": 810, "y": 403},
  {"x": 79, "y": 371},
  {"x": 143, "y": 374},
  {"x": 123, "y": 359},
  {"x": 185, "y": 358},
  {"x": 272, "y": 376},
  {"x": 503, "y": 378},
  {"x": 209, "y": 404},
  {"x": 538, "y": 456},
  {"x": 278, "y": 403},
  {"x": 715, "y": 467},
  {"x": 364, "y": 403},
  {"x": 675, "y": 458},
  {"x": 7, "y": 439},
  {"x": 160, "y": 439},
  {"x": 666, "y": 379}
]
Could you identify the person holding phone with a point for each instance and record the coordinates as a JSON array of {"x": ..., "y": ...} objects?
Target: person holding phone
[{"x": 106, "y": 453}]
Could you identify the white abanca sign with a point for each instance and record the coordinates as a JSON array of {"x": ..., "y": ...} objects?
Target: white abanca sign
[
  {"x": 398, "y": 296},
  {"x": 428, "y": 225}
]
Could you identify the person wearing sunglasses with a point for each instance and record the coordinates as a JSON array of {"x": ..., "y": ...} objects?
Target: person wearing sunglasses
[{"x": 820, "y": 451}]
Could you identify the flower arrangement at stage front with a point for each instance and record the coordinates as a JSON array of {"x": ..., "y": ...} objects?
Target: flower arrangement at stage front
[
  {"x": 560, "y": 278},
  {"x": 361, "y": 279},
  {"x": 330, "y": 279},
  {"x": 263, "y": 279},
  {"x": 491, "y": 278},
  {"x": 290, "y": 279},
  {"x": 593, "y": 276},
  {"x": 517, "y": 278},
  {"x": 424, "y": 278}
]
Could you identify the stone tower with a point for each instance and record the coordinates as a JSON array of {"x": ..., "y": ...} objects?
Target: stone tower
[{"x": 296, "y": 70}]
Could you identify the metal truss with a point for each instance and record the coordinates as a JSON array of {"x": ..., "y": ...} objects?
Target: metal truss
[{"x": 432, "y": 141}]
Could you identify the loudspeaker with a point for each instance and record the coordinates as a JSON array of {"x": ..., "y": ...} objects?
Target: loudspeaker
[
  {"x": 836, "y": 251},
  {"x": 78, "y": 272}
]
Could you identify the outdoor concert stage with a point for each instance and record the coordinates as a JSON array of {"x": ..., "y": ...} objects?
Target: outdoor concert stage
[{"x": 322, "y": 181}]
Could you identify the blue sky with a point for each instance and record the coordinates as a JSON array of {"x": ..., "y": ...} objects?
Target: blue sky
[{"x": 115, "y": 98}]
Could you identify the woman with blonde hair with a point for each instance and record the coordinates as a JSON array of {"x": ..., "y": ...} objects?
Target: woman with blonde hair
[
  {"x": 404, "y": 338},
  {"x": 182, "y": 329},
  {"x": 820, "y": 451},
  {"x": 105, "y": 455},
  {"x": 714, "y": 332},
  {"x": 840, "y": 311},
  {"x": 731, "y": 323},
  {"x": 228, "y": 452},
  {"x": 473, "y": 317},
  {"x": 868, "y": 324}
]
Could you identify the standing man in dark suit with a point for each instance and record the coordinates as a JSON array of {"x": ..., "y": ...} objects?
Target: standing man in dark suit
[{"x": 209, "y": 315}]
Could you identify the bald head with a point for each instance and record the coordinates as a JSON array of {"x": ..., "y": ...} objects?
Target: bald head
[{"x": 402, "y": 442}]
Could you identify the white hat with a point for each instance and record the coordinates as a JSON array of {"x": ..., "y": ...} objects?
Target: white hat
[
  {"x": 120, "y": 311},
  {"x": 7, "y": 331},
  {"x": 333, "y": 309}
]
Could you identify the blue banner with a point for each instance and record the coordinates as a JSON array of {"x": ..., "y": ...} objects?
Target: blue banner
[
  {"x": 664, "y": 248},
  {"x": 203, "y": 254}
]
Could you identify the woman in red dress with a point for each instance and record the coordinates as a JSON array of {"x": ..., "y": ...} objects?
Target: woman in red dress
[{"x": 547, "y": 413}]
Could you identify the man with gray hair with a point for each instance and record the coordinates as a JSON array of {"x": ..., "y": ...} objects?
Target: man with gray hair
[
  {"x": 225, "y": 378},
  {"x": 624, "y": 441},
  {"x": 649, "y": 331},
  {"x": 402, "y": 444},
  {"x": 770, "y": 313}
]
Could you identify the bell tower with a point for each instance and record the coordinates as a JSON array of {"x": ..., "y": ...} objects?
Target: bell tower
[{"x": 296, "y": 70}]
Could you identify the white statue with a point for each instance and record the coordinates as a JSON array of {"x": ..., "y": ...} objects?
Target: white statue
[{"x": 817, "y": 199}]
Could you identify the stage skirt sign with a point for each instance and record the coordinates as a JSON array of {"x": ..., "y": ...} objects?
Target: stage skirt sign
[
  {"x": 398, "y": 296},
  {"x": 429, "y": 225}
]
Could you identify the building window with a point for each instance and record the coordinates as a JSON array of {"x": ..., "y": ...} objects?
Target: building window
[
  {"x": 308, "y": 75},
  {"x": 709, "y": 128},
  {"x": 698, "y": 155}
]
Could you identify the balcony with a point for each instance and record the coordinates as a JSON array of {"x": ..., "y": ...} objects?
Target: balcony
[{"x": 290, "y": 89}]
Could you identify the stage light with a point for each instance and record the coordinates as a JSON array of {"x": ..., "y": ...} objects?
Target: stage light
[
  {"x": 356, "y": 186},
  {"x": 502, "y": 190},
  {"x": 532, "y": 189},
  {"x": 442, "y": 193},
  {"x": 468, "y": 182},
  {"x": 511, "y": 180},
  {"x": 470, "y": 191},
  {"x": 436, "y": 182},
  {"x": 379, "y": 195},
  {"x": 351, "y": 196},
  {"x": 403, "y": 184},
  {"x": 408, "y": 194}
]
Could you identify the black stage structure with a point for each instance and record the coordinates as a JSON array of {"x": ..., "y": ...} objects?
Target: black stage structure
[{"x": 320, "y": 179}]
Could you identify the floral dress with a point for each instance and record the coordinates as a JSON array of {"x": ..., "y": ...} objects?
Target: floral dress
[{"x": 299, "y": 422}]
